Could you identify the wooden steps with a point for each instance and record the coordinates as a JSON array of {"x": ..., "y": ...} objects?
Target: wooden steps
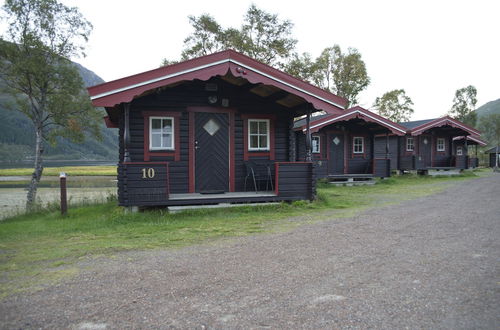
[
  {"x": 434, "y": 171},
  {"x": 351, "y": 179}
]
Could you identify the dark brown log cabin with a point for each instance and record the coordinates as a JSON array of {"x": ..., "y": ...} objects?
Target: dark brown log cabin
[
  {"x": 432, "y": 143},
  {"x": 214, "y": 129},
  {"x": 352, "y": 143},
  {"x": 468, "y": 145},
  {"x": 494, "y": 156}
]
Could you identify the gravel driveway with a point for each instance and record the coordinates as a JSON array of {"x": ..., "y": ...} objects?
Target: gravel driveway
[{"x": 432, "y": 262}]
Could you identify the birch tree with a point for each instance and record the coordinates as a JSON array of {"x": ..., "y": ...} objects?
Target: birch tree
[{"x": 42, "y": 36}]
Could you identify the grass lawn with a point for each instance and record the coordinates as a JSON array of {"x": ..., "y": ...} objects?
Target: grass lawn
[
  {"x": 69, "y": 170},
  {"x": 43, "y": 248}
]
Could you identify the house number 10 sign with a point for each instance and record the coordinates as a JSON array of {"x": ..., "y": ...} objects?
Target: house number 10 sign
[{"x": 148, "y": 173}]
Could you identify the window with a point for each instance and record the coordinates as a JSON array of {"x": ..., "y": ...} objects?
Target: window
[
  {"x": 258, "y": 134},
  {"x": 316, "y": 144},
  {"x": 161, "y": 133},
  {"x": 459, "y": 151},
  {"x": 440, "y": 144},
  {"x": 358, "y": 145},
  {"x": 409, "y": 144}
]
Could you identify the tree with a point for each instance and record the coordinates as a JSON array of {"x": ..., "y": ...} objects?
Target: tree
[
  {"x": 341, "y": 73},
  {"x": 394, "y": 105},
  {"x": 207, "y": 37},
  {"x": 262, "y": 36},
  {"x": 166, "y": 62},
  {"x": 303, "y": 67},
  {"x": 34, "y": 65},
  {"x": 490, "y": 126},
  {"x": 266, "y": 38},
  {"x": 464, "y": 105}
]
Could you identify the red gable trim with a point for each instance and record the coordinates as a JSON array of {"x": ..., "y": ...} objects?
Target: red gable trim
[
  {"x": 446, "y": 120},
  {"x": 109, "y": 123},
  {"x": 358, "y": 112},
  {"x": 472, "y": 138},
  {"x": 125, "y": 89}
]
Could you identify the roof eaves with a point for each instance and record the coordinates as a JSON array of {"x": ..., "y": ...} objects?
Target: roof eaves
[
  {"x": 325, "y": 121},
  {"x": 437, "y": 121}
]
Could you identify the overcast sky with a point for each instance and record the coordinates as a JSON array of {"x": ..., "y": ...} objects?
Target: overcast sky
[{"x": 429, "y": 48}]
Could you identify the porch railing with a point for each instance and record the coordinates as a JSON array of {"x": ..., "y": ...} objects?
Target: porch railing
[
  {"x": 143, "y": 183},
  {"x": 295, "y": 180}
]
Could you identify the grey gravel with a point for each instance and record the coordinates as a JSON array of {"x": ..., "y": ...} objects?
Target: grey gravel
[{"x": 431, "y": 262}]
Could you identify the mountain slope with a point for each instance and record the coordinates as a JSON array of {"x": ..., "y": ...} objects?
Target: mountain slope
[
  {"x": 488, "y": 108},
  {"x": 17, "y": 135}
]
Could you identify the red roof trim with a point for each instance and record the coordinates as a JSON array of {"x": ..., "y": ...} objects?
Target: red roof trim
[
  {"x": 125, "y": 89},
  {"x": 442, "y": 121},
  {"x": 474, "y": 138},
  {"x": 109, "y": 123},
  {"x": 357, "y": 112}
]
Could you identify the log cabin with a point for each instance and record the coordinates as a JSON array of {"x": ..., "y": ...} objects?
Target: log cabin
[
  {"x": 215, "y": 129},
  {"x": 494, "y": 156},
  {"x": 466, "y": 143},
  {"x": 353, "y": 145},
  {"x": 436, "y": 145}
]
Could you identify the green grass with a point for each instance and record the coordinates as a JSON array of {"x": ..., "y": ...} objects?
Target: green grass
[
  {"x": 42, "y": 248},
  {"x": 69, "y": 170}
]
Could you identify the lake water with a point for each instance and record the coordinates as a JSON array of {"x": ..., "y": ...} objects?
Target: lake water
[{"x": 80, "y": 189}]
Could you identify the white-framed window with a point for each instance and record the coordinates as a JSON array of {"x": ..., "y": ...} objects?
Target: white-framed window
[
  {"x": 316, "y": 144},
  {"x": 358, "y": 145},
  {"x": 460, "y": 151},
  {"x": 409, "y": 144},
  {"x": 161, "y": 133},
  {"x": 440, "y": 146},
  {"x": 258, "y": 134}
]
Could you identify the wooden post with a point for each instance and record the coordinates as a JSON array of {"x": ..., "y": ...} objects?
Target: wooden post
[
  {"x": 466, "y": 152},
  {"x": 292, "y": 144},
  {"x": 308, "y": 136},
  {"x": 126, "y": 133},
  {"x": 64, "y": 200},
  {"x": 387, "y": 160}
]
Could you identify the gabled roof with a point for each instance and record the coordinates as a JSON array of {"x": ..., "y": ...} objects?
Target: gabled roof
[
  {"x": 302, "y": 122},
  {"x": 354, "y": 112},
  {"x": 492, "y": 150},
  {"x": 415, "y": 123},
  {"x": 472, "y": 138},
  {"x": 203, "y": 68},
  {"x": 443, "y": 121}
]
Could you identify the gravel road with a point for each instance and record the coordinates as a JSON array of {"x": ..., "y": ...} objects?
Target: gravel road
[{"x": 432, "y": 262}]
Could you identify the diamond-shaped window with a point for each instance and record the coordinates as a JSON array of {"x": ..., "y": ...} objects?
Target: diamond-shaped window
[
  {"x": 336, "y": 141},
  {"x": 211, "y": 127}
]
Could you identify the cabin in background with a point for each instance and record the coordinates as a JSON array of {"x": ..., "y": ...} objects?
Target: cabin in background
[
  {"x": 434, "y": 144},
  {"x": 492, "y": 153},
  {"x": 473, "y": 142},
  {"x": 215, "y": 129},
  {"x": 349, "y": 145}
]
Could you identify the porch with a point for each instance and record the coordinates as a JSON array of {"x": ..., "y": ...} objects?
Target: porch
[
  {"x": 225, "y": 197},
  {"x": 148, "y": 184},
  {"x": 421, "y": 164}
]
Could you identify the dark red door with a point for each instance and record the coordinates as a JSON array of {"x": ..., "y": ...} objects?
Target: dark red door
[{"x": 211, "y": 152}]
